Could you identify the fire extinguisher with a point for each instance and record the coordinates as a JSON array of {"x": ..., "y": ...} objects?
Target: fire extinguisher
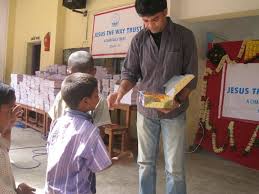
[{"x": 47, "y": 42}]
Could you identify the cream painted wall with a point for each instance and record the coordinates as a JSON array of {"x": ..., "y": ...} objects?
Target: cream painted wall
[
  {"x": 10, "y": 40},
  {"x": 75, "y": 27},
  {"x": 60, "y": 35},
  {"x": 202, "y": 10},
  {"x": 3, "y": 36},
  {"x": 78, "y": 29},
  {"x": 36, "y": 17},
  {"x": 33, "y": 18}
]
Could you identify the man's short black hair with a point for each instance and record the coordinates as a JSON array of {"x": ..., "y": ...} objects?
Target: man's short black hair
[
  {"x": 77, "y": 86},
  {"x": 7, "y": 94},
  {"x": 150, "y": 7}
]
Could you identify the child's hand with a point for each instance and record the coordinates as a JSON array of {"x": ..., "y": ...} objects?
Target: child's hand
[
  {"x": 25, "y": 189},
  {"x": 16, "y": 112},
  {"x": 13, "y": 114}
]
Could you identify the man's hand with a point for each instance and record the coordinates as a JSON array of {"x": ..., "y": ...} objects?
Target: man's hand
[
  {"x": 114, "y": 99},
  {"x": 25, "y": 189},
  {"x": 182, "y": 96},
  {"x": 175, "y": 105}
]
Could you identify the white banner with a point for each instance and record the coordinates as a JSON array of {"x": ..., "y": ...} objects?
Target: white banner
[
  {"x": 240, "y": 92},
  {"x": 113, "y": 31}
]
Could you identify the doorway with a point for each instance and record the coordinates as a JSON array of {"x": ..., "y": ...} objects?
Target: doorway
[{"x": 33, "y": 57}]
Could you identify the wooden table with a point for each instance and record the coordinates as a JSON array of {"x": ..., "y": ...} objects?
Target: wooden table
[{"x": 37, "y": 121}]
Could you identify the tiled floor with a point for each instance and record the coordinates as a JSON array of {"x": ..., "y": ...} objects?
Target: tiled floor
[{"x": 205, "y": 173}]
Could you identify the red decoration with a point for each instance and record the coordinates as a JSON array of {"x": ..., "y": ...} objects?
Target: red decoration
[{"x": 243, "y": 131}]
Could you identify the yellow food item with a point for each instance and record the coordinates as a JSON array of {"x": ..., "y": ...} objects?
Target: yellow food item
[
  {"x": 155, "y": 100},
  {"x": 172, "y": 87}
]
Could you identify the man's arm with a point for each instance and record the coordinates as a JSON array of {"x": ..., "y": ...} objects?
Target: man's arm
[
  {"x": 101, "y": 114},
  {"x": 183, "y": 95},
  {"x": 190, "y": 65},
  {"x": 115, "y": 97},
  {"x": 54, "y": 110},
  {"x": 124, "y": 88}
]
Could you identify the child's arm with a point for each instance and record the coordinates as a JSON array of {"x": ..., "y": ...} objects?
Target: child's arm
[
  {"x": 58, "y": 107},
  {"x": 16, "y": 112},
  {"x": 101, "y": 114},
  {"x": 100, "y": 156}
]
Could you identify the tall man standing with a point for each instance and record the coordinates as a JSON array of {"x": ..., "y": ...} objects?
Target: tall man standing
[{"x": 160, "y": 51}]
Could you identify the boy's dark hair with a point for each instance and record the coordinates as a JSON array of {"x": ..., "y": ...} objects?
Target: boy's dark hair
[
  {"x": 7, "y": 94},
  {"x": 150, "y": 7},
  {"x": 81, "y": 61},
  {"x": 77, "y": 86}
]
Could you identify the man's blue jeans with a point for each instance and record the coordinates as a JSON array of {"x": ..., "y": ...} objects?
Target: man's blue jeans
[{"x": 148, "y": 147}]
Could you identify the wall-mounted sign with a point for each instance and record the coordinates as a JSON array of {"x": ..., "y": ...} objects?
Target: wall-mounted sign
[
  {"x": 113, "y": 31},
  {"x": 240, "y": 92}
]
